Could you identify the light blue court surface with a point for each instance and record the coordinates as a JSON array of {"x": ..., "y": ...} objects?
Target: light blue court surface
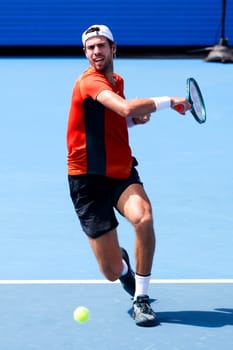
[
  {"x": 40, "y": 317},
  {"x": 46, "y": 266}
]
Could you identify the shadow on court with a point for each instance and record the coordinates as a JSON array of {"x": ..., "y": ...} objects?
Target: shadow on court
[{"x": 216, "y": 318}]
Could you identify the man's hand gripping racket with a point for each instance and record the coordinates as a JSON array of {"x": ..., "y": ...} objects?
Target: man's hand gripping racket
[{"x": 196, "y": 101}]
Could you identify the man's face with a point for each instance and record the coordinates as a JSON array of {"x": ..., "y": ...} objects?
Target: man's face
[{"x": 100, "y": 53}]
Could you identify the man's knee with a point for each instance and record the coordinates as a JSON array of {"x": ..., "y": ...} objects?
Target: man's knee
[{"x": 112, "y": 273}]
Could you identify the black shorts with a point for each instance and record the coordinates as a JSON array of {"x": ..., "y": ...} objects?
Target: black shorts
[{"x": 95, "y": 197}]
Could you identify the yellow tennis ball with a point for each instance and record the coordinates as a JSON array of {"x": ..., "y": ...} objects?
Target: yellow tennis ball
[{"x": 81, "y": 314}]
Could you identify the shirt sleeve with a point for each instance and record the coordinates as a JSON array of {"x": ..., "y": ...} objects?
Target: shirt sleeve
[{"x": 92, "y": 85}]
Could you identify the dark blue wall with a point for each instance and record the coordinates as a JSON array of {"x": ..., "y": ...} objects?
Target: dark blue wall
[{"x": 134, "y": 23}]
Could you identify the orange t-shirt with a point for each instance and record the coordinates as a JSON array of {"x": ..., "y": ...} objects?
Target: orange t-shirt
[{"x": 97, "y": 138}]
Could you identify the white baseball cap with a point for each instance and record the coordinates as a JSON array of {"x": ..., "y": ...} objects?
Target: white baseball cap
[{"x": 96, "y": 30}]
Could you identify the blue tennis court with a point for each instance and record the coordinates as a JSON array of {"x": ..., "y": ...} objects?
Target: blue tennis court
[{"x": 46, "y": 265}]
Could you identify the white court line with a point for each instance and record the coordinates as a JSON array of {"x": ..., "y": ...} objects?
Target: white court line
[{"x": 153, "y": 281}]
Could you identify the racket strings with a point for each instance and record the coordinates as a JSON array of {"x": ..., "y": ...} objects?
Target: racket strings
[{"x": 196, "y": 102}]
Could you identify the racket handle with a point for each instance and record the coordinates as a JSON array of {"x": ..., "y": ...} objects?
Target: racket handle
[{"x": 179, "y": 108}]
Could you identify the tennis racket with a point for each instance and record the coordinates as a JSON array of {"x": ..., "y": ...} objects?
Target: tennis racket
[{"x": 194, "y": 96}]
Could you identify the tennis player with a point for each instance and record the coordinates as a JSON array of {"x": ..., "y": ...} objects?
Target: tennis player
[{"x": 102, "y": 170}]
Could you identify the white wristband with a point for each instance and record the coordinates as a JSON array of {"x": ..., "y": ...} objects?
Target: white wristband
[
  {"x": 130, "y": 122},
  {"x": 161, "y": 102}
]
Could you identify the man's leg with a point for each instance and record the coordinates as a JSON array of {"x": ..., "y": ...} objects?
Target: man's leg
[
  {"x": 108, "y": 254},
  {"x": 135, "y": 206},
  {"x": 113, "y": 260}
]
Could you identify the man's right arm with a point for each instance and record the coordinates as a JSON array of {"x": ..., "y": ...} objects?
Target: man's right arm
[{"x": 138, "y": 107}]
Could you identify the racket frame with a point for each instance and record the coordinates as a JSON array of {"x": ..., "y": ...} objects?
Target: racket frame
[{"x": 189, "y": 98}]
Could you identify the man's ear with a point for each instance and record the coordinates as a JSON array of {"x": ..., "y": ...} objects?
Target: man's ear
[
  {"x": 114, "y": 49},
  {"x": 84, "y": 50}
]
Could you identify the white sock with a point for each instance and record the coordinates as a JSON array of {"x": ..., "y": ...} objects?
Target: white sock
[
  {"x": 142, "y": 285},
  {"x": 125, "y": 268}
]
